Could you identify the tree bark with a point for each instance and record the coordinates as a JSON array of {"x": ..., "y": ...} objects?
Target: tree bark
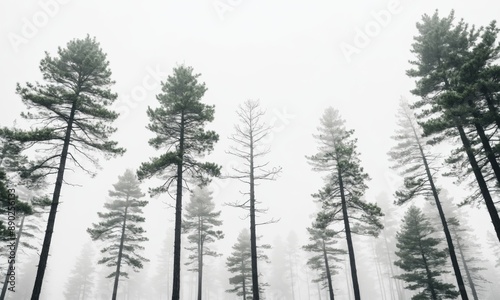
[
  {"x": 120, "y": 253},
  {"x": 490, "y": 205},
  {"x": 350, "y": 247},
  {"x": 253, "y": 234},
  {"x": 178, "y": 217},
  {"x": 328, "y": 274},
  {"x": 44, "y": 255}
]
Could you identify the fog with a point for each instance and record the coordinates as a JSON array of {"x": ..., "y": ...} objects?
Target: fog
[{"x": 297, "y": 58}]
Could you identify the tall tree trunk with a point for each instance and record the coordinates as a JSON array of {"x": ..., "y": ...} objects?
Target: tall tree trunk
[
  {"x": 200, "y": 260},
  {"x": 350, "y": 247},
  {"x": 449, "y": 241},
  {"x": 120, "y": 253},
  {"x": 12, "y": 261},
  {"x": 253, "y": 234},
  {"x": 44, "y": 255},
  {"x": 176, "y": 288},
  {"x": 466, "y": 268},
  {"x": 480, "y": 180},
  {"x": 328, "y": 274}
]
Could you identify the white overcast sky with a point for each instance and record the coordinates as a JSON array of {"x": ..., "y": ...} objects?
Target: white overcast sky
[{"x": 288, "y": 54}]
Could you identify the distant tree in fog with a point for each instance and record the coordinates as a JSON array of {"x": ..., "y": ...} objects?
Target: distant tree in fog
[
  {"x": 201, "y": 220},
  {"x": 239, "y": 263},
  {"x": 119, "y": 228},
  {"x": 80, "y": 283},
  {"x": 324, "y": 254}
]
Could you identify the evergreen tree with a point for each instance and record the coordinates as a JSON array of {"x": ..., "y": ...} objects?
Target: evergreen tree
[
  {"x": 179, "y": 127},
  {"x": 420, "y": 258},
  {"x": 81, "y": 281},
  {"x": 446, "y": 69},
  {"x": 249, "y": 136},
  {"x": 322, "y": 246},
  {"x": 345, "y": 184},
  {"x": 70, "y": 117},
  {"x": 416, "y": 165},
  {"x": 200, "y": 220},
  {"x": 239, "y": 263},
  {"x": 120, "y": 229}
]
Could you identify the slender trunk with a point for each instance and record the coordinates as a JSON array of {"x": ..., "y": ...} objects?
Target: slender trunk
[
  {"x": 244, "y": 280},
  {"x": 84, "y": 287},
  {"x": 200, "y": 258},
  {"x": 319, "y": 290},
  {"x": 120, "y": 253},
  {"x": 12, "y": 261},
  {"x": 466, "y": 268},
  {"x": 350, "y": 247},
  {"x": 480, "y": 180},
  {"x": 44, "y": 255},
  {"x": 429, "y": 276},
  {"x": 253, "y": 234},
  {"x": 328, "y": 274},
  {"x": 449, "y": 241},
  {"x": 176, "y": 288}
]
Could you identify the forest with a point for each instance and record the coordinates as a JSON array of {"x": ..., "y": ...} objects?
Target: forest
[{"x": 192, "y": 214}]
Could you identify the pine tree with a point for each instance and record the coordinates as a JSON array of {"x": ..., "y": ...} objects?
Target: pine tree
[
  {"x": 344, "y": 184},
  {"x": 416, "y": 165},
  {"x": 179, "y": 127},
  {"x": 448, "y": 108},
  {"x": 420, "y": 258},
  {"x": 240, "y": 263},
  {"x": 70, "y": 117},
  {"x": 200, "y": 220},
  {"x": 120, "y": 229},
  {"x": 81, "y": 281},
  {"x": 322, "y": 246},
  {"x": 249, "y": 136}
]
